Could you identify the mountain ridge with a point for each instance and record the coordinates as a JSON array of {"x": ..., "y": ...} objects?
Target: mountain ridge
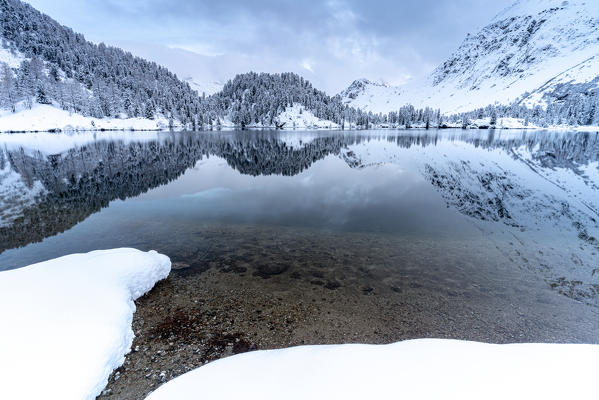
[{"x": 524, "y": 47}]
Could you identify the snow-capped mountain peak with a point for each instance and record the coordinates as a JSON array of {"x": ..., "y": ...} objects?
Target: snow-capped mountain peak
[
  {"x": 356, "y": 88},
  {"x": 528, "y": 51},
  {"x": 364, "y": 92},
  {"x": 530, "y": 38}
]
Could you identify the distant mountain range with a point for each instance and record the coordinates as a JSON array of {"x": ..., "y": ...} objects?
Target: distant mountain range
[
  {"x": 535, "y": 52},
  {"x": 537, "y": 62}
]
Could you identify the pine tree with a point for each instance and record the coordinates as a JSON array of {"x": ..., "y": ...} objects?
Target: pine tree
[
  {"x": 7, "y": 88},
  {"x": 493, "y": 120}
]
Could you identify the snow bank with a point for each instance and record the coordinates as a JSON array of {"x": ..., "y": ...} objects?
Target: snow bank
[
  {"x": 43, "y": 117},
  {"x": 298, "y": 117},
  {"x": 415, "y": 369},
  {"x": 66, "y": 323}
]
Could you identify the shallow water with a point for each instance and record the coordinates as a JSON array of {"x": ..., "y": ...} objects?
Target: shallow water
[{"x": 498, "y": 227}]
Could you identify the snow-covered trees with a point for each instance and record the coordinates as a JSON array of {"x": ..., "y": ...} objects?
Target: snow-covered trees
[
  {"x": 7, "y": 88},
  {"x": 258, "y": 99},
  {"x": 568, "y": 107},
  {"x": 62, "y": 68},
  {"x": 56, "y": 58}
]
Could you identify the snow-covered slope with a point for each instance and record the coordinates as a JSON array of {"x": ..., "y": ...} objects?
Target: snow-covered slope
[
  {"x": 298, "y": 117},
  {"x": 372, "y": 96},
  {"x": 43, "y": 117},
  {"x": 11, "y": 58},
  {"x": 207, "y": 87},
  {"x": 66, "y": 323},
  {"x": 414, "y": 369},
  {"x": 294, "y": 117},
  {"x": 533, "y": 46}
]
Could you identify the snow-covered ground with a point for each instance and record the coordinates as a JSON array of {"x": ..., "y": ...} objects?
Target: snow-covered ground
[
  {"x": 204, "y": 88},
  {"x": 295, "y": 117},
  {"x": 298, "y": 117},
  {"x": 12, "y": 58},
  {"x": 521, "y": 123},
  {"x": 414, "y": 369},
  {"x": 66, "y": 323},
  {"x": 43, "y": 117},
  {"x": 502, "y": 123}
]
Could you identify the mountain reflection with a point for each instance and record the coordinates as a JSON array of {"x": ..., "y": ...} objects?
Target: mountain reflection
[{"x": 86, "y": 178}]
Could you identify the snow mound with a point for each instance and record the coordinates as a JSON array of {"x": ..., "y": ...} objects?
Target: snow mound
[
  {"x": 66, "y": 323},
  {"x": 43, "y": 117},
  {"x": 415, "y": 369},
  {"x": 298, "y": 117}
]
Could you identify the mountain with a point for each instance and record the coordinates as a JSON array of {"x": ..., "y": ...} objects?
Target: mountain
[
  {"x": 535, "y": 52},
  {"x": 51, "y": 78},
  {"x": 205, "y": 74},
  {"x": 269, "y": 100},
  {"x": 378, "y": 97}
]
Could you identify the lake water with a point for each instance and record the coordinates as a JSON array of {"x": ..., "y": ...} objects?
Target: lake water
[{"x": 465, "y": 226}]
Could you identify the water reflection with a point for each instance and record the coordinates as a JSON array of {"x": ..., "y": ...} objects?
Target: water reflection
[
  {"x": 84, "y": 179},
  {"x": 532, "y": 196}
]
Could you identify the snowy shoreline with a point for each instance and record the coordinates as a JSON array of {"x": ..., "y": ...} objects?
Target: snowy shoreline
[
  {"x": 581, "y": 129},
  {"x": 46, "y": 118},
  {"x": 67, "y": 321},
  {"x": 69, "y": 326}
]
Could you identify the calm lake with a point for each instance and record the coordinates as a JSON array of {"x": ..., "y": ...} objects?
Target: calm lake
[{"x": 477, "y": 234}]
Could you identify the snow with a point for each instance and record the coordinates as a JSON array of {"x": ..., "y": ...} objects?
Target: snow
[
  {"x": 204, "y": 88},
  {"x": 298, "y": 117},
  {"x": 414, "y": 369},
  {"x": 43, "y": 117},
  {"x": 12, "y": 59},
  {"x": 531, "y": 47},
  {"x": 294, "y": 117},
  {"x": 66, "y": 323},
  {"x": 502, "y": 123}
]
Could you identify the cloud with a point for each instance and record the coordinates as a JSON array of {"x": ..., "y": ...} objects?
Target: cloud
[{"x": 334, "y": 42}]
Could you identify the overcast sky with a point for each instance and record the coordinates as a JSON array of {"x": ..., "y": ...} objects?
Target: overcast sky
[{"x": 331, "y": 43}]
